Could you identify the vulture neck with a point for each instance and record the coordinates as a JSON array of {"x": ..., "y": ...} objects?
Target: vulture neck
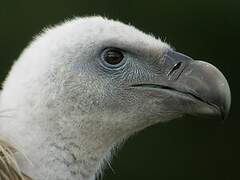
[{"x": 58, "y": 147}]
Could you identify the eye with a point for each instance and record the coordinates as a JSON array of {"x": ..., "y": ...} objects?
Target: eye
[{"x": 113, "y": 58}]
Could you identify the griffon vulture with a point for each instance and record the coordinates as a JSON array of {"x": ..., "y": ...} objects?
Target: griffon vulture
[{"x": 83, "y": 86}]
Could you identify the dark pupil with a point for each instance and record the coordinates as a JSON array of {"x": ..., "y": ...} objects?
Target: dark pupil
[{"x": 113, "y": 57}]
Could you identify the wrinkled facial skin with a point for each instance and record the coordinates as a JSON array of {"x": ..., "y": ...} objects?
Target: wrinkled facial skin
[
  {"x": 137, "y": 108},
  {"x": 116, "y": 102}
]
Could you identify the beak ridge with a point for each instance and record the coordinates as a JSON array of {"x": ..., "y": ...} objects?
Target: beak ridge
[{"x": 200, "y": 79}]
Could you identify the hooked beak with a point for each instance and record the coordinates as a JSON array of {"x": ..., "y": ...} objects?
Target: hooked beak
[{"x": 198, "y": 81}]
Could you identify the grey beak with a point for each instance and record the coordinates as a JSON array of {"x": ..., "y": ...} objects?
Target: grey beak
[{"x": 199, "y": 79}]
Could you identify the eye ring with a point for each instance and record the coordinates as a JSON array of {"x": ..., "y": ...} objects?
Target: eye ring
[{"x": 113, "y": 58}]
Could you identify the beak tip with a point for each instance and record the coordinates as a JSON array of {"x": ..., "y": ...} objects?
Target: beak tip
[
  {"x": 226, "y": 101},
  {"x": 225, "y": 109},
  {"x": 212, "y": 86},
  {"x": 224, "y": 115}
]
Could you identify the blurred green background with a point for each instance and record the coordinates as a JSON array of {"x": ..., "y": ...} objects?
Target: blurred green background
[{"x": 189, "y": 149}]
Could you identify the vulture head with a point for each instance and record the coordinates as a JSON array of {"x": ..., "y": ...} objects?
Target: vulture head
[{"x": 83, "y": 86}]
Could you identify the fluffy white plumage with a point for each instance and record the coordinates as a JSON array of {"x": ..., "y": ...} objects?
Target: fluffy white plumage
[{"x": 51, "y": 100}]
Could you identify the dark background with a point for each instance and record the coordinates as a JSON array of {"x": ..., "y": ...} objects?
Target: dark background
[{"x": 189, "y": 149}]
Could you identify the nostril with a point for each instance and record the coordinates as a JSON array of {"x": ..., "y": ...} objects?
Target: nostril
[{"x": 175, "y": 67}]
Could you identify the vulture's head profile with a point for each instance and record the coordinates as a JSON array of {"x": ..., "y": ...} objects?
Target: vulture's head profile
[{"x": 83, "y": 86}]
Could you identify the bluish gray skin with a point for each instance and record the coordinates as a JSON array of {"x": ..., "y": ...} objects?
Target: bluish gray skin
[
  {"x": 195, "y": 80},
  {"x": 71, "y": 107}
]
